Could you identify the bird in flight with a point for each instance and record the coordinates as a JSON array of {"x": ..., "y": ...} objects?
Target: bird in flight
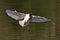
[{"x": 25, "y": 19}]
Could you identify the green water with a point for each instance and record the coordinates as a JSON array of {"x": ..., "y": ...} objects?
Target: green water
[{"x": 10, "y": 29}]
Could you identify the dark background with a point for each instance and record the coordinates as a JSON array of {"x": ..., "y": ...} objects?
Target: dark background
[{"x": 10, "y": 29}]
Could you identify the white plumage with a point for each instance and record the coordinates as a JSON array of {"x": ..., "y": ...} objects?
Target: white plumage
[
  {"x": 24, "y": 19},
  {"x": 22, "y": 22}
]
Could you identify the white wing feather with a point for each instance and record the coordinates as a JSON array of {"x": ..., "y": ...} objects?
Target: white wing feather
[
  {"x": 18, "y": 16},
  {"x": 15, "y": 15},
  {"x": 39, "y": 19}
]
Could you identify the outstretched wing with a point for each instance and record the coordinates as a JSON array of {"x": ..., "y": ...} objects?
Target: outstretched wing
[
  {"x": 39, "y": 19},
  {"x": 15, "y": 15}
]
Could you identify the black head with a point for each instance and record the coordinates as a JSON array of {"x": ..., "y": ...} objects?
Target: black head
[{"x": 30, "y": 15}]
